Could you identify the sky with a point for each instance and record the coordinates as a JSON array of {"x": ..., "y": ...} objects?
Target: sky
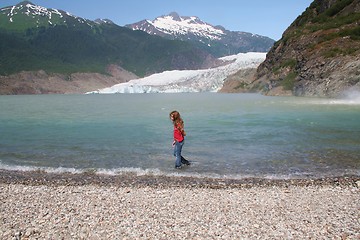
[{"x": 263, "y": 17}]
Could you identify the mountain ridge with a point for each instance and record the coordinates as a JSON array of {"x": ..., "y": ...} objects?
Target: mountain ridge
[
  {"x": 39, "y": 45},
  {"x": 214, "y": 39},
  {"x": 29, "y": 31},
  {"x": 26, "y": 15}
]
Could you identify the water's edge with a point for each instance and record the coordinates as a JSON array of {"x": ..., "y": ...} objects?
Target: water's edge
[{"x": 134, "y": 180}]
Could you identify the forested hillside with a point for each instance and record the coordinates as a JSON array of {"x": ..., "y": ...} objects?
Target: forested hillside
[{"x": 35, "y": 38}]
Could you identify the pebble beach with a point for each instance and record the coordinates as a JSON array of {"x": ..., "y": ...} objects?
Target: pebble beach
[{"x": 39, "y": 205}]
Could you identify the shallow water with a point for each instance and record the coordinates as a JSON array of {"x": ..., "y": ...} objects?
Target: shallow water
[{"x": 229, "y": 135}]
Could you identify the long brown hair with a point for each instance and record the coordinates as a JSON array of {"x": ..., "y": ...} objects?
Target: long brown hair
[
  {"x": 175, "y": 117},
  {"x": 177, "y": 121}
]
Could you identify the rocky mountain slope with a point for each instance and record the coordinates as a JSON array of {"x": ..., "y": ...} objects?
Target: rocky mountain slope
[
  {"x": 41, "y": 82},
  {"x": 318, "y": 55},
  {"x": 214, "y": 39}
]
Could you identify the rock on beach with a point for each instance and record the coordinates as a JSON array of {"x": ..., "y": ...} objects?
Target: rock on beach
[{"x": 160, "y": 211}]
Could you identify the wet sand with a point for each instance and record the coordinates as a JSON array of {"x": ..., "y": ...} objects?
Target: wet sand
[{"x": 39, "y": 205}]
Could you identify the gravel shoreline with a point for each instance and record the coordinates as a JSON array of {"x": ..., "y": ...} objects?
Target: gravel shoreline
[{"x": 39, "y": 205}]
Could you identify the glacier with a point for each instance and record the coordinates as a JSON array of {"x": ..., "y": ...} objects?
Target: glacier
[{"x": 176, "y": 81}]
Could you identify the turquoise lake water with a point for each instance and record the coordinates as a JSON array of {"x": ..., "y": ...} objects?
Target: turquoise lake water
[{"x": 229, "y": 135}]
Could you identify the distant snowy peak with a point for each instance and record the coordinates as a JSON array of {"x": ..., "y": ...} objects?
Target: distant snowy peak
[
  {"x": 40, "y": 16},
  {"x": 29, "y": 9},
  {"x": 175, "y": 25},
  {"x": 214, "y": 39}
]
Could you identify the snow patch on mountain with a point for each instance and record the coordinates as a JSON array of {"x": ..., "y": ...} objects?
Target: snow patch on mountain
[
  {"x": 206, "y": 80},
  {"x": 36, "y": 11},
  {"x": 31, "y": 9},
  {"x": 214, "y": 39},
  {"x": 41, "y": 11},
  {"x": 176, "y": 25}
]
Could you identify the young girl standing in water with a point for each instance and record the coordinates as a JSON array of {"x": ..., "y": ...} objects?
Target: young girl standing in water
[{"x": 179, "y": 138}]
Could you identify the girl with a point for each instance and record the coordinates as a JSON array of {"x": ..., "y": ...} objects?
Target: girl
[{"x": 179, "y": 134}]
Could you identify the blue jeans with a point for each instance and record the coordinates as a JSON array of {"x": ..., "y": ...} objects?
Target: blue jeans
[{"x": 177, "y": 152}]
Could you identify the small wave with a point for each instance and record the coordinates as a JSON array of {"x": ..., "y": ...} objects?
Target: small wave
[
  {"x": 136, "y": 171},
  {"x": 60, "y": 170},
  {"x": 160, "y": 173},
  {"x": 44, "y": 169}
]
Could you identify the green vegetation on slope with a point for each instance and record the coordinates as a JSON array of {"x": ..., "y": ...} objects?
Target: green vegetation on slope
[
  {"x": 66, "y": 49},
  {"x": 69, "y": 44},
  {"x": 327, "y": 25}
]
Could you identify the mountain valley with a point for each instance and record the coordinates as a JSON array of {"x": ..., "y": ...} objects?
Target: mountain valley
[
  {"x": 43, "y": 50},
  {"x": 52, "y": 51}
]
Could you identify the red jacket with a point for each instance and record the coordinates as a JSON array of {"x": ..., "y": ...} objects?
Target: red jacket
[{"x": 178, "y": 134}]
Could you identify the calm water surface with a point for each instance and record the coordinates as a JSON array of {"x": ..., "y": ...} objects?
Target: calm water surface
[{"x": 229, "y": 135}]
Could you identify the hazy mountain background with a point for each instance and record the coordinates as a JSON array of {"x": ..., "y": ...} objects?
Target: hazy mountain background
[
  {"x": 36, "y": 38},
  {"x": 51, "y": 51}
]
